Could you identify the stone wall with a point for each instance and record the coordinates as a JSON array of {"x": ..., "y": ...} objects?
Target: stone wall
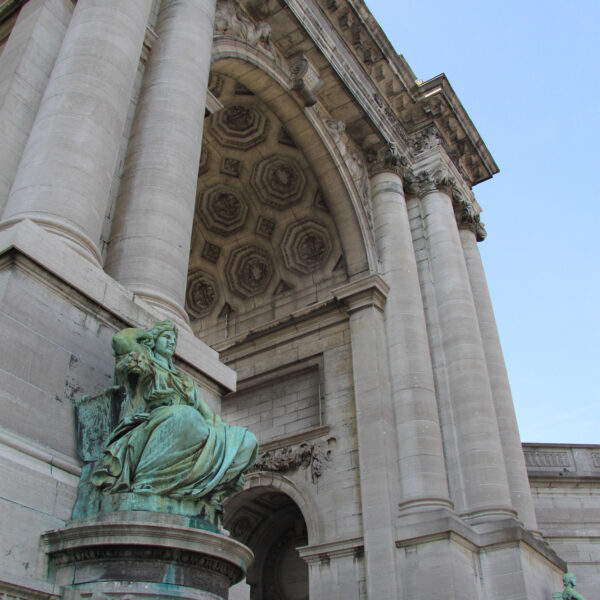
[{"x": 565, "y": 483}]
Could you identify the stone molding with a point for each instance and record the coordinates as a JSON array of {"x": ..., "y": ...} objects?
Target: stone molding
[
  {"x": 370, "y": 291},
  {"x": 323, "y": 553},
  {"x": 155, "y": 530}
]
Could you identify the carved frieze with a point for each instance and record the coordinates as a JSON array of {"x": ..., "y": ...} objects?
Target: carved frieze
[
  {"x": 547, "y": 459},
  {"x": 278, "y": 181},
  {"x": 201, "y": 295},
  {"x": 239, "y": 126},
  {"x": 249, "y": 270},
  {"x": 222, "y": 209},
  {"x": 305, "y": 456},
  {"x": 306, "y": 246}
]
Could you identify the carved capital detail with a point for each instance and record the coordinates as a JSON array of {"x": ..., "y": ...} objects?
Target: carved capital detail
[
  {"x": 387, "y": 160},
  {"x": 429, "y": 180},
  {"x": 466, "y": 211}
]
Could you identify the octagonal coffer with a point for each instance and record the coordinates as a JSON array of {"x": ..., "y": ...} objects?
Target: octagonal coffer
[
  {"x": 306, "y": 246},
  {"x": 249, "y": 270},
  {"x": 239, "y": 126},
  {"x": 223, "y": 209},
  {"x": 278, "y": 181},
  {"x": 201, "y": 295}
]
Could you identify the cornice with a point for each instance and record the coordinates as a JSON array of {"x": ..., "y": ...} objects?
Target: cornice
[{"x": 366, "y": 292}]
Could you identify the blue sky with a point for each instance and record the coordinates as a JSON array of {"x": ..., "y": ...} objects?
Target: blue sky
[{"x": 528, "y": 75}]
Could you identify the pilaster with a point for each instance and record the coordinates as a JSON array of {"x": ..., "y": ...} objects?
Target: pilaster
[{"x": 365, "y": 300}]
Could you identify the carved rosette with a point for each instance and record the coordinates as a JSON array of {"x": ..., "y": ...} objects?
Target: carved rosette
[
  {"x": 223, "y": 209},
  {"x": 249, "y": 271},
  {"x": 306, "y": 246},
  {"x": 278, "y": 181},
  {"x": 201, "y": 295},
  {"x": 239, "y": 126}
]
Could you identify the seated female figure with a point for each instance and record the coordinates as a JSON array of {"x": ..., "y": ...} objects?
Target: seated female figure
[{"x": 168, "y": 442}]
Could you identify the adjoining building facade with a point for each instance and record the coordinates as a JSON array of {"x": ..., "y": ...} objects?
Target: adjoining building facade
[{"x": 273, "y": 177}]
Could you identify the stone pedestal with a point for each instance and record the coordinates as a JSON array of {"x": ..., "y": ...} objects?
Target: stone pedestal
[{"x": 143, "y": 555}]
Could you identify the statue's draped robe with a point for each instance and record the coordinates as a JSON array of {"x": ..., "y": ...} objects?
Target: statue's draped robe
[{"x": 169, "y": 443}]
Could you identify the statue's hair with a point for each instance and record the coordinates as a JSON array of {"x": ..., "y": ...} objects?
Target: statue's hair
[{"x": 162, "y": 326}]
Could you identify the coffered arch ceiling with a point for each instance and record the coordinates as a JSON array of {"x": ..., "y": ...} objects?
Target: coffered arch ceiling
[{"x": 267, "y": 238}]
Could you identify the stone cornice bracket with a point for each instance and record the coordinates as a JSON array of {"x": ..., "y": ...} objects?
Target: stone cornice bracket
[
  {"x": 466, "y": 211},
  {"x": 323, "y": 553},
  {"x": 305, "y": 79},
  {"x": 231, "y": 20},
  {"x": 386, "y": 160},
  {"x": 370, "y": 291}
]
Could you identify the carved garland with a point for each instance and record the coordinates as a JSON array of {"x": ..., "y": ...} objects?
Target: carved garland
[{"x": 306, "y": 456}]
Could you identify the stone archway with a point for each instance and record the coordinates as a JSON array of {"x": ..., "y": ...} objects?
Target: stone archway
[{"x": 272, "y": 525}]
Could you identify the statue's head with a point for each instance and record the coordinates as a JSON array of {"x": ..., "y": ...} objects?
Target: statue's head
[
  {"x": 570, "y": 579},
  {"x": 161, "y": 327},
  {"x": 164, "y": 334}
]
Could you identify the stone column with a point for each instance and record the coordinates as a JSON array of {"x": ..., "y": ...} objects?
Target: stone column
[
  {"x": 25, "y": 66},
  {"x": 421, "y": 467},
  {"x": 472, "y": 231},
  {"x": 375, "y": 428},
  {"x": 63, "y": 180},
  {"x": 479, "y": 450},
  {"x": 151, "y": 233}
]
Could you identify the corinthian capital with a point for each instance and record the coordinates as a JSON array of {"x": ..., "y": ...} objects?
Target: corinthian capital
[
  {"x": 429, "y": 180},
  {"x": 387, "y": 159},
  {"x": 466, "y": 211}
]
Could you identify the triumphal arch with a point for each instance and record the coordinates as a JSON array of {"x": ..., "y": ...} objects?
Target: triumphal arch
[{"x": 271, "y": 182}]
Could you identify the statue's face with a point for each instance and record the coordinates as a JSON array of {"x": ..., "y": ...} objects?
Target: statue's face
[{"x": 165, "y": 344}]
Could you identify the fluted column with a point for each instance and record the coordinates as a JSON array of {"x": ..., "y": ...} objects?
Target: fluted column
[
  {"x": 478, "y": 441},
  {"x": 422, "y": 472},
  {"x": 151, "y": 233},
  {"x": 64, "y": 177},
  {"x": 365, "y": 300},
  {"x": 25, "y": 66},
  {"x": 471, "y": 230}
]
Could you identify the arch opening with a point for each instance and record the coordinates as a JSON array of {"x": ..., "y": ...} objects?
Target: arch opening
[{"x": 271, "y": 524}]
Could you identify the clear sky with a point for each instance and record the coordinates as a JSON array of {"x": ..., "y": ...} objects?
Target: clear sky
[{"x": 528, "y": 74}]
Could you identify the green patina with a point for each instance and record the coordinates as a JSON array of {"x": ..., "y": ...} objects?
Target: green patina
[
  {"x": 151, "y": 443},
  {"x": 568, "y": 593}
]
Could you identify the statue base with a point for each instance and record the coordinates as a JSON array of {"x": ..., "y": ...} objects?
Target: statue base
[{"x": 143, "y": 555}]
